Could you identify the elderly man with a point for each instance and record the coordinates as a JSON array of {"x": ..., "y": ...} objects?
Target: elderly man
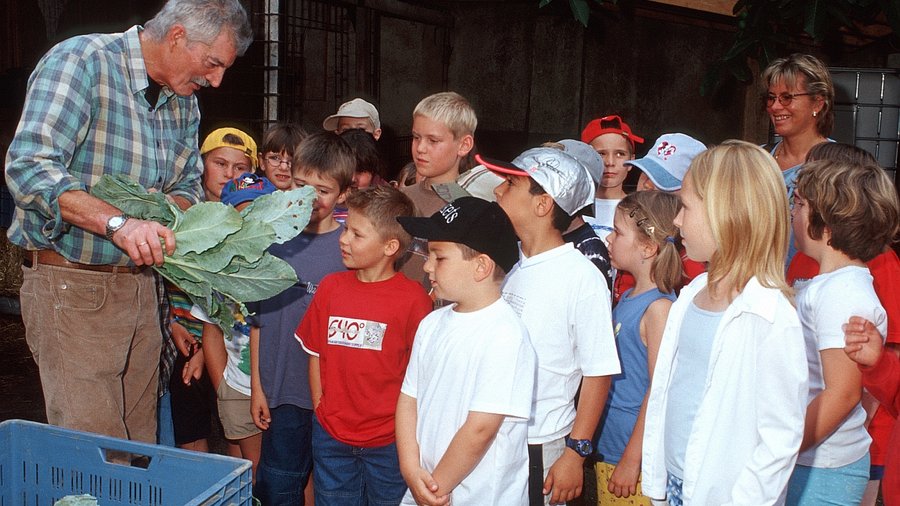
[{"x": 99, "y": 104}]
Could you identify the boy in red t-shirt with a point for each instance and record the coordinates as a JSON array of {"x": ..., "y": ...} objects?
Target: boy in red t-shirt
[{"x": 359, "y": 332}]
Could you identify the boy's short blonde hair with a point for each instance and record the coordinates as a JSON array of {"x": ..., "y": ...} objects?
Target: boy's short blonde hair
[
  {"x": 326, "y": 153},
  {"x": 856, "y": 202},
  {"x": 382, "y": 205},
  {"x": 451, "y": 109},
  {"x": 745, "y": 200}
]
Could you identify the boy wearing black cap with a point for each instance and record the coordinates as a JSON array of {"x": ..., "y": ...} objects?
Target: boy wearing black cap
[
  {"x": 564, "y": 302},
  {"x": 465, "y": 402}
]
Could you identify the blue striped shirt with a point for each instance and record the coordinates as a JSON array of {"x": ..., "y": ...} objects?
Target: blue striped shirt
[{"x": 86, "y": 115}]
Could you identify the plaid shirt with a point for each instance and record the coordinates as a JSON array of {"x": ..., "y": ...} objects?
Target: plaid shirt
[{"x": 86, "y": 115}]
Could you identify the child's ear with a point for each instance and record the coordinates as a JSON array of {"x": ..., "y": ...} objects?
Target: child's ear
[
  {"x": 391, "y": 247},
  {"x": 543, "y": 204},
  {"x": 342, "y": 197},
  {"x": 484, "y": 267},
  {"x": 649, "y": 250},
  {"x": 465, "y": 145}
]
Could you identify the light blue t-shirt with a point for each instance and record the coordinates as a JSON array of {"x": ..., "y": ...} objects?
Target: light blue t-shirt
[{"x": 695, "y": 340}]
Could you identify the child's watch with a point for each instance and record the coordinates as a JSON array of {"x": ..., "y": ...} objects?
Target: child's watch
[{"x": 582, "y": 447}]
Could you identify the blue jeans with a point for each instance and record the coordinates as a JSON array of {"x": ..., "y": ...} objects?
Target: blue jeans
[
  {"x": 346, "y": 475},
  {"x": 165, "y": 431},
  {"x": 286, "y": 457},
  {"x": 814, "y": 486}
]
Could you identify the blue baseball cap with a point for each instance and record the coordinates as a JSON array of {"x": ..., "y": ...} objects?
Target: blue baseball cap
[
  {"x": 668, "y": 160},
  {"x": 245, "y": 188}
]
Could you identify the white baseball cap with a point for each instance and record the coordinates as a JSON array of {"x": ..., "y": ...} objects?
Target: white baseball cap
[{"x": 356, "y": 108}]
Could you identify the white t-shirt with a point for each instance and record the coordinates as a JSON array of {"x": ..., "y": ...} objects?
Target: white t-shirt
[
  {"x": 564, "y": 302},
  {"x": 604, "y": 214},
  {"x": 824, "y": 304},
  {"x": 479, "y": 361},
  {"x": 237, "y": 347}
]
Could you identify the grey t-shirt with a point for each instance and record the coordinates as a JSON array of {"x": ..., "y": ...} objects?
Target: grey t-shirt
[{"x": 283, "y": 365}]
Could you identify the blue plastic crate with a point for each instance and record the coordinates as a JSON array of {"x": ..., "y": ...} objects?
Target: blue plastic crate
[{"x": 40, "y": 464}]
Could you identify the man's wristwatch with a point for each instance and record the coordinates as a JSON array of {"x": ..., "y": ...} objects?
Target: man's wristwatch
[
  {"x": 582, "y": 447},
  {"x": 114, "y": 224}
]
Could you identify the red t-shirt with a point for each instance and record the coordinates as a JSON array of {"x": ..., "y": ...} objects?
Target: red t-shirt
[
  {"x": 363, "y": 335},
  {"x": 883, "y": 381},
  {"x": 885, "y": 269}
]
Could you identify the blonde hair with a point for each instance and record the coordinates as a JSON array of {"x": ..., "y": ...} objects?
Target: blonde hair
[
  {"x": 856, "y": 202},
  {"x": 745, "y": 199},
  {"x": 382, "y": 205},
  {"x": 653, "y": 213},
  {"x": 816, "y": 80},
  {"x": 451, "y": 109}
]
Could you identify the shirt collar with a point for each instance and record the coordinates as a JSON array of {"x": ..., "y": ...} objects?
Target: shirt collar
[{"x": 140, "y": 80}]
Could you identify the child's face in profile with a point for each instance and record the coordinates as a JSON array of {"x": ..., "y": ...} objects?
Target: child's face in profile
[
  {"x": 435, "y": 150},
  {"x": 220, "y": 166},
  {"x": 800, "y": 225},
  {"x": 328, "y": 194},
  {"x": 515, "y": 198},
  {"x": 692, "y": 221},
  {"x": 625, "y": 246},
  {"x": 615, "y": 150},
  {"x": 277, "y": 169},
  {"x": 450, "y": 274},
  {"x": 362, "y": 247}
]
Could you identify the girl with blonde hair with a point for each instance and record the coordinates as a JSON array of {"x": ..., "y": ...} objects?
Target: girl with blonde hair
[{"x": 727, "y": 401}]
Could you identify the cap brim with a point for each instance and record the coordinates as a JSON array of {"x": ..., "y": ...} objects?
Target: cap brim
[
  {"x": 500, "y": 166},
  {"x": 424, "y": 228},
  {"x": 654, "y": 171}
]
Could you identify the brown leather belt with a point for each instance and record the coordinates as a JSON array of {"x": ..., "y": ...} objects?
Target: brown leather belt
[{"x": 48, "y": 257}]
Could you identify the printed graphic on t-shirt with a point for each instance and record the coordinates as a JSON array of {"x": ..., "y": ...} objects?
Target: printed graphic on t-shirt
[
  {"x": 516, "y": 301},
  {"x": 355, "y": 333}
]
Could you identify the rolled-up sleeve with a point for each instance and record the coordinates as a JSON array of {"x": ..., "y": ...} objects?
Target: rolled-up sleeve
[{"x": 54, "y": 123}]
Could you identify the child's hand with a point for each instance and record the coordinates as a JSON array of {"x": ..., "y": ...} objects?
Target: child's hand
[
  {"x": 259, "y": 409},
  {"x": 864, "y": 343},
  {"x": 564, "y": 478},
  {"x": 193, "y": 368},
  {"x": 181, "y": 337},
  {"x": 423, "y": 488},
  {"x": 623, "y": 481}
]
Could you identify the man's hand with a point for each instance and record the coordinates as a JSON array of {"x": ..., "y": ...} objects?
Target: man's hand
[
  {"x": 565, "y": 478},
  {"x": 623, "y": 481},
  {"x": 423, "y": 487},
  {"x": 863, "y": 342},
  {"x": 143, "y": 241}
]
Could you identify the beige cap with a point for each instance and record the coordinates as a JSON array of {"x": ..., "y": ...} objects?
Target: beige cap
[{"x": 356, "y": 108}]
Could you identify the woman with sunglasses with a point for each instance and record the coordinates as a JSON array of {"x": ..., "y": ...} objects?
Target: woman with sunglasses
[{"x": 799, "y": 98}]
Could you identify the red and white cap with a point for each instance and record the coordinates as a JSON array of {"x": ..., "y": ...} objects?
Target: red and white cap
[{"x": 611, "y": 124}]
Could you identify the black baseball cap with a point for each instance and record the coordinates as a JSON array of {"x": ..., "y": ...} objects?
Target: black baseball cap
[{"x": 474, "y": 222}]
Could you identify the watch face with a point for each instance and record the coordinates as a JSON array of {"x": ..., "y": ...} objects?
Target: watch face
[
  {"x": 115, "y": 222},
  {"x": 583, "y": 447}
]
